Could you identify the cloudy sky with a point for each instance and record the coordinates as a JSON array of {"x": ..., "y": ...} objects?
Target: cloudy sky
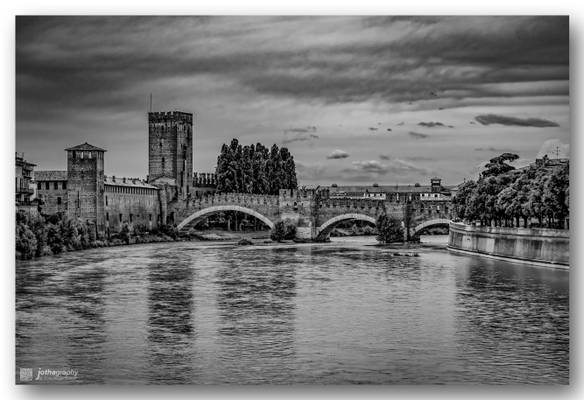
[{"x": 355, "y": 99}]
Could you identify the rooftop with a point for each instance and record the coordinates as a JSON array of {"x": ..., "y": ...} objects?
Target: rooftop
[
  {"x": 127, "y": 182},
  {"x": 85, "y": 147},
  {"x": 41, "y": 176}
]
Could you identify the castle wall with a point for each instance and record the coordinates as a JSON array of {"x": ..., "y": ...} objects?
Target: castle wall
[{"x": 132, "y": 206}]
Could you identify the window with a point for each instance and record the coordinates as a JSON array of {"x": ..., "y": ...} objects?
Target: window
[
  {"x": 149, "y": 217},
  {"x": 107, "y": 217},
  {"x": 38, "y": 185},
  {"x": 163, "y": 162},
  {"x": 64, "y": 185},
  {"x": 59, "y": 201},
  {"x": 74, "y": 154},
  {"x": 131, "y": 217},
  {"x": 106, "y": 203},
  {"x": 56, "y": 185},
  {"x": 120, "y": 217},
  {"x": 47, "y": 187}
]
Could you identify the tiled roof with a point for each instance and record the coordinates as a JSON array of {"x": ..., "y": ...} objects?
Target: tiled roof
[
  {"x": 127, "y": 182},
  {"x": 41, "y": 176},
  {"x": 85, "y": 147}
]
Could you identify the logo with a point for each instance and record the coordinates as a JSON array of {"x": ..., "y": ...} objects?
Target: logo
[{"x": 25, "y": 374}]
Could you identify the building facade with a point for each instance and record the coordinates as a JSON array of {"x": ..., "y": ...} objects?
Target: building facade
[
  {"x": 84, "y": 192},
  {"x": 23, "y": 180}
]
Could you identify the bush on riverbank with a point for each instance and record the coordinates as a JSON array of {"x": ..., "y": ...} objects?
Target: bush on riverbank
[
  {"x": 283, "y": 230},
  {"x": 389, "y": 229},
  {"x": 55, "y": 234}
]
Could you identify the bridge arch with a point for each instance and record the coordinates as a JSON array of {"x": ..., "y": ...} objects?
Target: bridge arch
[
  {"x": 205, "y": 212},
  {"x": 324, "y": 230},
  {"x": 427, "y": 224}
]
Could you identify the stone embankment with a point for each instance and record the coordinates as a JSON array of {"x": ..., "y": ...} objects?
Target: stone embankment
[{"x": 546, "y": 247}]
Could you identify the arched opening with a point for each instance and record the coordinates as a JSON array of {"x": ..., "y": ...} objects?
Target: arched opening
[
  {"x": 228, "y": 218},
  {"x": 436, "y": 228},
  {"x": 324, "y": 231}
]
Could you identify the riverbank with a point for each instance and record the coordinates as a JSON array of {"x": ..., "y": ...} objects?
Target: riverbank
[{"x": 544, "y": 247}]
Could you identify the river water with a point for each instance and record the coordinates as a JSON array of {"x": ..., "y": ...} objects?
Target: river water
[{"x": 342, "y": 312}]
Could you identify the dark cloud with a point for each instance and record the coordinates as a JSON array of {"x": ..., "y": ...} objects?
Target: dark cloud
[
  {"x": 65, "y": 63},
  {"x": 308, "y": 129},
  {"x": 337, "y": 154},
  {"x": 384, "y": 157},
  {"x": 303, "y": 134},
  {"x": 418, "y": 135},
  {"x": 431, "y": 124},
  {"x": 488, "y": 119},
  {"x": 392, "y": 166},
  {"x": 371, "y": 166},
  {"x": 371, "y": 128},
  {"x": 495, "y": 149},
  {"x": 300, "y": 138}
]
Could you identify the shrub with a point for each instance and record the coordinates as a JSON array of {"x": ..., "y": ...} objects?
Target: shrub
[
  {"x": 140, "y": 229},
  {"x": 125, "y": 234},
  {"x": 169, "y": 230},
  {"x": 26, "y": 242},
  {"x": 283, "y": 230},
  {"x": 389, "y": 229}
]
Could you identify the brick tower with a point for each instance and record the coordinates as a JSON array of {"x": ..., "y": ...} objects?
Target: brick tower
[
  {"x": 85, "y": 184},
  {"x": 170, "y": 151}
]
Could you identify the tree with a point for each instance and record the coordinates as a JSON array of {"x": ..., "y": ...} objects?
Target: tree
[
  {"x": 26, "y": 242},
  {"x": 389, "y": 229},
  {"x": 255, "y": 169},
  {"x": 283, "y": 230},
  {"x": 503, "y": 195},
  {"x": 498, "y": 165}
]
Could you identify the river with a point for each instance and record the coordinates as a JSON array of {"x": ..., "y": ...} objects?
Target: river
[{"x": 341, "y": 312}]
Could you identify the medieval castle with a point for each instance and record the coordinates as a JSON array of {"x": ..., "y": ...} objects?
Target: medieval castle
[
  {"x": 173, "y": 194},
  {"x": 83, "y": 191}
]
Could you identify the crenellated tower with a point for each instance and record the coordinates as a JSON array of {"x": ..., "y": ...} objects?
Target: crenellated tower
[
  {"x": 85, "y": 184},
  {"x": 170, "y": 151}
]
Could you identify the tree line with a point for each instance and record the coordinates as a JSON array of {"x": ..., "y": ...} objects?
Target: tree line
[
  {"x": 56, "y": 233},
  {"x": 255, "y": 169},
  {"x": 537, "y": 195}
]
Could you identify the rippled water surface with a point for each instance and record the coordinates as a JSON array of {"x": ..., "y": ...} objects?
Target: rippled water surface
[{"x": 343, "y": 312}]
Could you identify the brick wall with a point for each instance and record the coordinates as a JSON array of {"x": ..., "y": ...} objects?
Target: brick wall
[{"x": 130, "y": 205}]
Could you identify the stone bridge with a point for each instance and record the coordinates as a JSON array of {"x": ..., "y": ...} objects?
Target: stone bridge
[{"x": 314, "y": 213}]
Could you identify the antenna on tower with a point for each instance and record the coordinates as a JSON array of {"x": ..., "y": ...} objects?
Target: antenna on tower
[
  {"x": 557, "y": 152},
  {"x": 150, "y": 108}
]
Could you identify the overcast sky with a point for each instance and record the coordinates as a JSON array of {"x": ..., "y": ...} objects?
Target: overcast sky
[{"x": 357, "y": 100}]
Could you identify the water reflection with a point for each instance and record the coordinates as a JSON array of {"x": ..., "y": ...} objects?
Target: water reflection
[
  {"x": 512, "y": 310},
  {"x": 255, "y": 299},
  {"x": 170, "y": 321},
  {"x": 330, "y": 313}
]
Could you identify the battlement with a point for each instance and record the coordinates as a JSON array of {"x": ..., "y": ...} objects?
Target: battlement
[
  {"x": 208, "y": 179},
  {"x": 296, "y": 193},
  {"x": 166, "y": 116},
  {"x": 237, "y": 198},
  {"x": 124, "y": 181}
]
